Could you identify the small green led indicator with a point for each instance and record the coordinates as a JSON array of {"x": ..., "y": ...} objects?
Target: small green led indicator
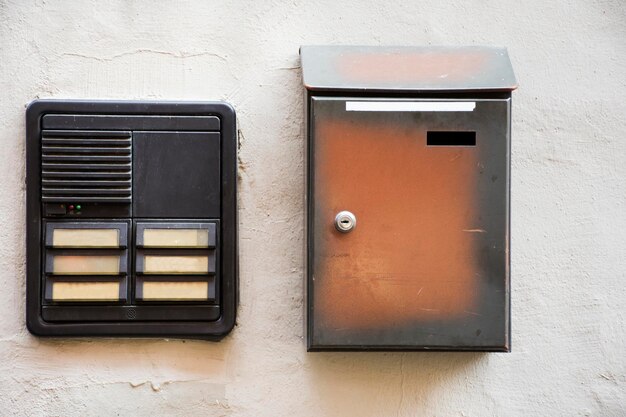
[{"x": 78, "y": 207}]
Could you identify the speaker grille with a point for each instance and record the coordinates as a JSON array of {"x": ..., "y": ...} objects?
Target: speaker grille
[{"x": 86, "y": 166}]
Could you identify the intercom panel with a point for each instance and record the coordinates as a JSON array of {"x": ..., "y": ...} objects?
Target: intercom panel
[{"x": 131, "y": 219}]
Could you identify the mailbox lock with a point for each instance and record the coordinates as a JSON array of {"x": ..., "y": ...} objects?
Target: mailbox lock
[{"x": 345, "y": 221}]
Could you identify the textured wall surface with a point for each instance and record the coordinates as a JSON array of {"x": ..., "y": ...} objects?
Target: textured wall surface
[{"x": 568, "y": 208}]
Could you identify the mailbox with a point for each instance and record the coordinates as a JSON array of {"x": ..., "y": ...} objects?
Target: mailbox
[
  {"x": 131, "y": 219},
  {"x": 407, "y": 197}
]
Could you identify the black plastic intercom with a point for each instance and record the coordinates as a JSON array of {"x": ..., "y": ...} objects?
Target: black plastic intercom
[{"x": 131, "y": 218}]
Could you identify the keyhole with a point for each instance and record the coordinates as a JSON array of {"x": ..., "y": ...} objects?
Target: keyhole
[{"x": 345, "y": 221}]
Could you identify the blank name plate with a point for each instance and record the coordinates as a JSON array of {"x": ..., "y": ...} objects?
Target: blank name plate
[
  {"x": 159, "y": 262},
  {"x": 183, "y": 264},
  {"x": 87, "y": 235},
  {"x": 176, "y": 288},
  {"x": 176, "y": 235},
  {"x": 176, "y": 238},
  {"x": 85, "y": 291},
  {"x": 177, "y": 291},
  {"x": 84, "y": 265},
  {"x": 85, "y": 238}
]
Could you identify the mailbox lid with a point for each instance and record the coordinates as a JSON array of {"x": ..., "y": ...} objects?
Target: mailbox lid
[
  {"x": 427, "y": 265},
  {"x": 407, "y": 69}
]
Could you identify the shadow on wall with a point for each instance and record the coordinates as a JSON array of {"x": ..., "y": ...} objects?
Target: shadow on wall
[
  {"x": 374, "y": 383},
  {"x": 132, "y": 360}
]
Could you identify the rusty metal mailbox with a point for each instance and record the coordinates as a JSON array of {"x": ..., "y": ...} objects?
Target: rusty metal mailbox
[{"x": 407, "y": 197}]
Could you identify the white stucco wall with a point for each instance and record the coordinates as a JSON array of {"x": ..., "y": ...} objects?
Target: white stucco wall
[{"x": 568, "y": 208}]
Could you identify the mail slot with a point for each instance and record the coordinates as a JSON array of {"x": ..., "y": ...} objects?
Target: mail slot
[
  {"x": 132, "y": 219},
  {"x": 407, "y": 197}
]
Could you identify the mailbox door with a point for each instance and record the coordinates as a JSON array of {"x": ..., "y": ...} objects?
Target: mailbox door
[{"x": 426, "y": 264}]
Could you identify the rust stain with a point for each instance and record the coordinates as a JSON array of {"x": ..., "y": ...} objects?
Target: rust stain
[
  {"x": 410, "y": 256},
  {"x": 402, "y": 67}
]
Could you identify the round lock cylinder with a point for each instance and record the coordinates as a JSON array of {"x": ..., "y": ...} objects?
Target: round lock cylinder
[{"x": 345, "y": 221}]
